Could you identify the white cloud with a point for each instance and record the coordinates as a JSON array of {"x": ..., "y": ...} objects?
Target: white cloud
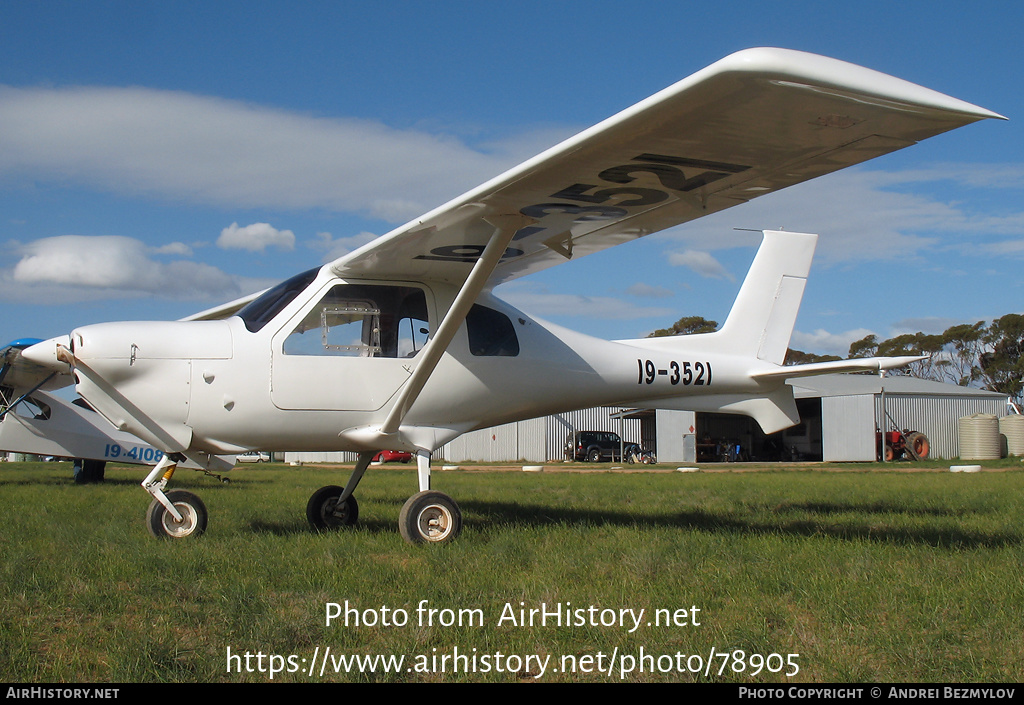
[
  {"x": 823, "y": 342},
  {"x": 333, "y": 248},
  {"x": 861, "y": 215},
  {"x": 173, "y": 248},
  {"x": 178, "y": 145},
  {"x": 109, "y": 266},
  {"x": 930, "y": 325},
  {"x": 647, "y": 291},
  {"x": 538, "y": 300},
  {"x": 1005, "y": 247},
  {"x": 700, "y": 262},
  {"x": 255, "y": 238}
]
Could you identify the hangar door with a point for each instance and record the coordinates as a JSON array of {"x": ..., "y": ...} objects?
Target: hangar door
[{"x": 719, "y": 434}]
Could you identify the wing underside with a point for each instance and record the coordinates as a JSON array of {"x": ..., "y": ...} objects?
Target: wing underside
[{"x": 753, "y": 123}]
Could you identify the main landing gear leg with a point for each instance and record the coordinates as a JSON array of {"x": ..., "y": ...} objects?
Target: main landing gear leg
[
  {"x": 176, "y": 514},
  {"x": 332, "y": 507},
  {"x": 423, "y": 469},
  {"x": 429, "y": 516}
]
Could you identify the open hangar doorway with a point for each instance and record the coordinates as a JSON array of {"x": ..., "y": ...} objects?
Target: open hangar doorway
[{"x": 735, "y": 438}]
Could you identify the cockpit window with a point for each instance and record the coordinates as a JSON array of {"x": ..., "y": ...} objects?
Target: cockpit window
[
  {"x": 258, "y": 312},
  {"x": 363, "y": 320}
]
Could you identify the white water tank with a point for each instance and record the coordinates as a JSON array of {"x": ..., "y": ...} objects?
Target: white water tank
[
  {"x": 1012, "y": 427},
  {"x": 979, "y": 437}
]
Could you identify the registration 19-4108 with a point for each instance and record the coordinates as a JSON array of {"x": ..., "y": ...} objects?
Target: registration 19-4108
[{"x": 141, "y": 454}]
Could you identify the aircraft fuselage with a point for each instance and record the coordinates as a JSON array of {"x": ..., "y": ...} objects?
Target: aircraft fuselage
[{"x": 300, "y": 383}]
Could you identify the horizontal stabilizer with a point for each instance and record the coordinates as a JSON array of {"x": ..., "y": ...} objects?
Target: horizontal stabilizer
[{"x": 863, "y": 364}]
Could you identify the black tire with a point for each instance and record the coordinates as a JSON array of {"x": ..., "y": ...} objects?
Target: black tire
[
  {"x": 87, "y": 471},
  {"x": 917, "y": 445},
  {"x": 430, "y": 517},
  {"x": 594, "y": 456},
  {"x": 323, "y": 513},
  {"x": 162, "y": 525}
]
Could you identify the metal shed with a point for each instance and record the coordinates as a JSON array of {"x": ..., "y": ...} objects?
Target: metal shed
[
  {"x": 535, "y": 440},
  {"x": 538, "y": 440},
  {"x": 853, "y": 406},
  {"x": 839, "y": 416}
]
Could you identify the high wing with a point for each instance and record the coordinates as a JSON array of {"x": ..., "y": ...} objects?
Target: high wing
[{"x": 753, "y": 123}]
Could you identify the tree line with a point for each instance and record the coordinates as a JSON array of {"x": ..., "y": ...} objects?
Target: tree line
[{"x": 988, "y": 356}]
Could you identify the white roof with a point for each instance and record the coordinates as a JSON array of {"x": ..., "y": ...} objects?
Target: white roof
[{"x": 854, "y": 384}]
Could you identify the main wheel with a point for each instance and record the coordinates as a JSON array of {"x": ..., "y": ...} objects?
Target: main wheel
[
  {"x": 594, "y": 456},
  {"x": 162, "y": 523},
  {"x": 431, "y": 517},
  {"x": 324, "y": 513},
  {"x": 918, "y": 445}
]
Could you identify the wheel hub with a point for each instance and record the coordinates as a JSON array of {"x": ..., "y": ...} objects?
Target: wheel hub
[
  {"x": 178, "y": 529},
  {"x": 435, "y": 522}
]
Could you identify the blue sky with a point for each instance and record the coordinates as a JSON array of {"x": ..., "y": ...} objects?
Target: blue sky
[{"x": 143, "y": 144}]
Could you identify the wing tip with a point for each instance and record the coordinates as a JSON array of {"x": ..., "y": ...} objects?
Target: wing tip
[{"x": 835, "y": 73}]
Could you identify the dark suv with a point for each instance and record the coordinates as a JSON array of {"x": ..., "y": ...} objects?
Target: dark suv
[{"x": 596, "y": 446}]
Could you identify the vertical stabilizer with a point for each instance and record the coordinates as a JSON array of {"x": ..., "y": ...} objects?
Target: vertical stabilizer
[{"x": 762, "y": 318}]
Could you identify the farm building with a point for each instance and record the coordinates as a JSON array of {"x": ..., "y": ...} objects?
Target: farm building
[{"x": 839, "y": 415}]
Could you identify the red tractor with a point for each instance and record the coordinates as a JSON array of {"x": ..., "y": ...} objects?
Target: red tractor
[{"x": 912, "y": 445}]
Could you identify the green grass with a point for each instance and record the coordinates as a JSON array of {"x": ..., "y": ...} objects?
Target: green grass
[{"x": 870, "y": 575}]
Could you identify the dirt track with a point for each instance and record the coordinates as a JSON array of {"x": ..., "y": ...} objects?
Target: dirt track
[{"x": 561, "y": 466}]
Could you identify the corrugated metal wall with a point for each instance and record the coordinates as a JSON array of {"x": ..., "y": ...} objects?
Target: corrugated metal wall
[
  {"x": 320, "y": 457},
  {"x": 848, "y": 425},
  {"x": 935, "y": 416},
  {"x": 675, "y": 440},
  {"x": 535, "y": 440},
  {"x": 515, "y": 441},
  {"x": 848, "y": 428},
  {"x": 559, "y": 426}
]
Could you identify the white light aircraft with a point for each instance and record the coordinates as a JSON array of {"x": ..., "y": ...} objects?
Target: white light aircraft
[{"x": 401, "y": 344}]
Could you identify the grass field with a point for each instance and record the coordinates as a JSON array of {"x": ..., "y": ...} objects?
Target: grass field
[{"x": 868, "y": 575}]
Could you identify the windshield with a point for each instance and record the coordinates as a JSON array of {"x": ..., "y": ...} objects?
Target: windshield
[{"x": 259, "y": 311}]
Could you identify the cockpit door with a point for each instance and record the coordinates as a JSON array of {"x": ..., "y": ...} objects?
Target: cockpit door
[{"x": 351, "y": 348}]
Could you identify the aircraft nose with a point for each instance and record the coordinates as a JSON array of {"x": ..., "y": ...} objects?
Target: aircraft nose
[{"x": 45, "y": 353}]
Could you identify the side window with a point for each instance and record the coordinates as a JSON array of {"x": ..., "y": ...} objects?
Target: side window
[
  {"x": 491, "y": 333},
  {"x": 413, "y": 327},
  {"x": 363, "y": 320}
]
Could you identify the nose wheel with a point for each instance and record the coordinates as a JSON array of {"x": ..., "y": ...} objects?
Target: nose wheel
[
  {"x": 164, "y": 525},
  {"x": 325, "y": 511}
]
